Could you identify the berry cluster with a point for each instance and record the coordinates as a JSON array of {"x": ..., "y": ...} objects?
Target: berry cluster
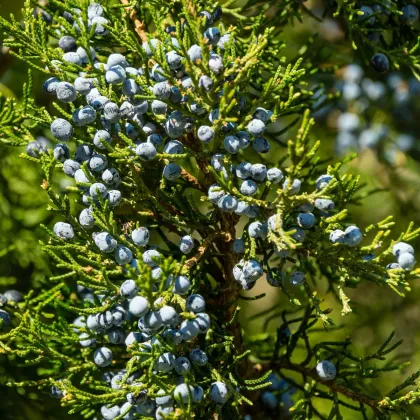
[
  {"x": 374, "y": 21},
  {"x": 364, "y": 103},
  {"x": 165, "y": 340}
]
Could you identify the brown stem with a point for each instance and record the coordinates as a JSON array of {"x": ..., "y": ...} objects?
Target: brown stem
[
  {"x": 203, "y": 248},
  {"x": 193, "y": 180},
  {"x": 138, "y": 24}
]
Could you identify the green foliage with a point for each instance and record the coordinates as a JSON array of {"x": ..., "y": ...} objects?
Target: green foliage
[{"x": 44, "y": 334}]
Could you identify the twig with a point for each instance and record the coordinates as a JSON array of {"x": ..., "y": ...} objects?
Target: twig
[
  {"x": 193, "y": 180},
  {"x": 333, "y": 386},
  {"x": 203, "y": 248},
  {"x": 138, "y": 24}
]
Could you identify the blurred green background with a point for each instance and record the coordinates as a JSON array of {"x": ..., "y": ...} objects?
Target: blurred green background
[{"x": 377, "y": 311}]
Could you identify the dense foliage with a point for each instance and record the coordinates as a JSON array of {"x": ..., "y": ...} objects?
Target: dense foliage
[{"x": 173, "y": 195}]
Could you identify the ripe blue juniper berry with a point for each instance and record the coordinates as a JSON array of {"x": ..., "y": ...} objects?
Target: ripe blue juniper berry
[{"x": 179, "y": 203}]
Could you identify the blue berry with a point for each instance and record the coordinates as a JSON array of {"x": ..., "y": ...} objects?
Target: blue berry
[
  {"x": 139, "y": 306},
  {"x": 402, "y": 248},
  {"x": 146, "y": 408},
  {"x": 50, "y": 85},
  {"x": 256, "y": 127},
  {"x": 110, "y": 413},
  {"x": 196, "y": 303},
  {"x": 152, "y": 320},
  {"x": 61, "y": 129},
  {"x": 274, "y": 175},
  {"x": 115, "y": 75},
  {"x": 84, "y": 116},
  {"x": 275, "y": 223},
  {"x": 165, "y": 362},
  {"x": 83, "y": 85},
  {"x": 151, "y": 257},
  {"x": 227, "y": 203},
  {"x": 97, "y": 190},
  {"x": 186, "y": 244},
  {"x": 163, "y": 399},
  {"x": 128, "y": 289},
  {"x": 146, "y": 151},
  {"x": 67, "y": 43},
  {"x": 239, "y": 246},
  {"x": 36, "y": 148},
  {"x": 102, "y": 136},
  {"x": 205, "y": 82},
  {"x": 13, "y": 295},
  {"x": 56, "y": 392},
  {"x": 86, "y": 219},
  {"x": 261, "y": 145},
  {"x": 232, "y": 144},
  {"x": 407, "y": 261},
  {"x": 103, "y": 357},
  {"x": 104, "y": 319},
  {"x": 172, "y": 171},
  {"x": 174, "y": 147},
  {"x": 114, "y": 197},
  {"x": 73, "y": 58},
  {"x": 4, "y": 318},
  {"x": 243, "y": 170},
  {"x": 198, "y": 357},
  {"x": 259, "y": 172},
  {"x": 95, "y": 10},
  {"x": 295, "y": 187},
  {"x": 263, "y": 114},
  {"x": 352, "y": 236},
  {"x": 174, "y": 60},
  {"x": 212, "y": 35},
  {"x": 324, "y": 204},
  {"x": 223, "y": 41},
  {"x": 366, "y": 12},
  {"x": 323, "y": 181},
  {"x": 135, "y": 337},
  {"x": 98, "y": 163},
  {"x": 81, "y": 177},
  {"x": 393, "y": 266},
  {"x": 252, "y": 270},
  {"x": 219, "y": 392},
  {"x": 337, "y": 236},
  {"x": 380, "y": 63},
  {"x": 306, "y": 220},
  {"x": 410, "y": 14},
  {"x": 105, "y": 242},
  {"x": 181, "y": 285},
  {"x": 64, "y": 231},
  {"x": 66, "y": 92},
  {"x": 326, "y": 370},
  {"x": 297, "y": 278},
  {"x": 168, "y": 315},
  {"x": 244, "y": 139},
  {"x": 182, "y": 392},
  {"x": 215, "y": 63},
  {"x": 140, "y": 236},
  {"x": 116, "y": 336},
  {"x": 111, "y": 112},
  {"x": 182, "y": 365},
  {"x": 270, "y": 400},
  {"x": 83, "y": 153},
  {"x": 194, "y": 53},
  {"x": 123, "y": 255}
]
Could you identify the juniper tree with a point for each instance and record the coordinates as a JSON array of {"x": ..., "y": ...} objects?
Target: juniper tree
[{"x": 165, "y": 118}]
